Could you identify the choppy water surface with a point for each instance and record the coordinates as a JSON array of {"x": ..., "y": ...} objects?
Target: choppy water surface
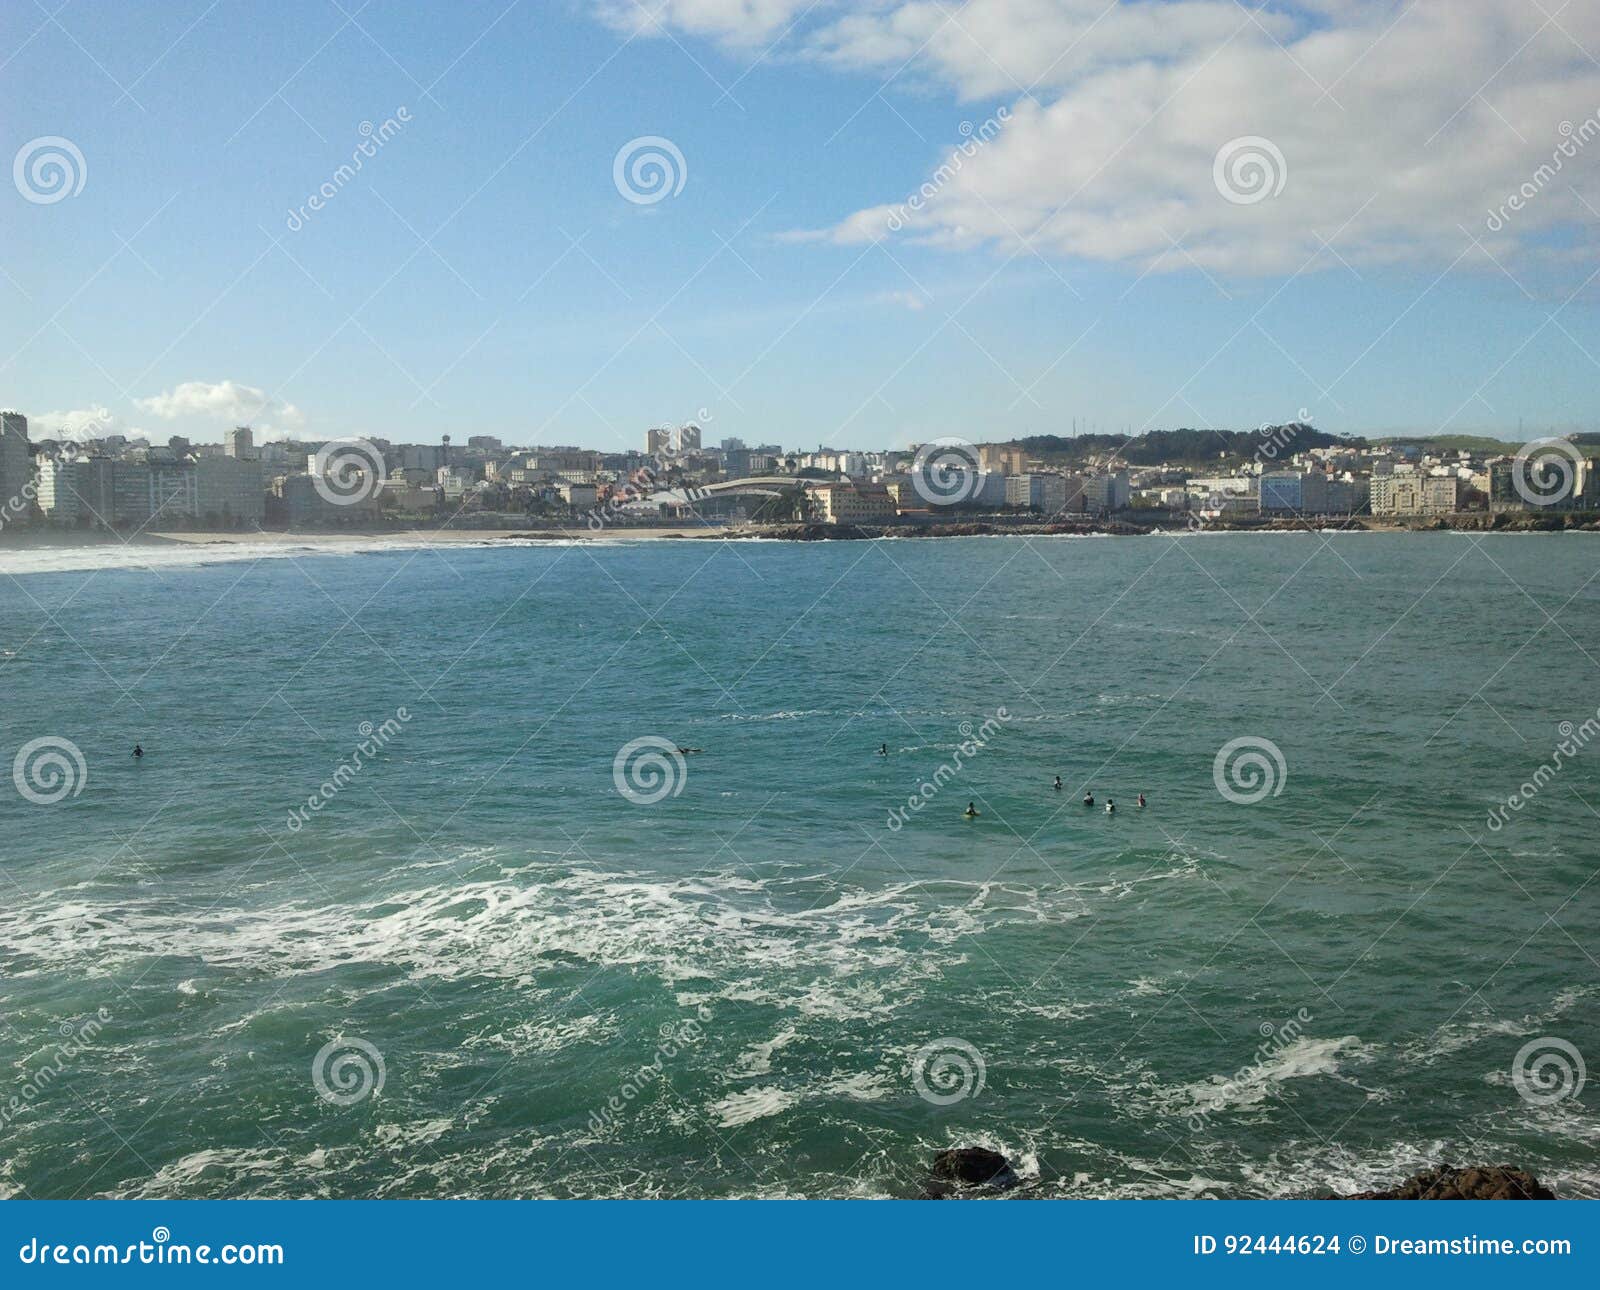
[{"x": 756, "y": 986}]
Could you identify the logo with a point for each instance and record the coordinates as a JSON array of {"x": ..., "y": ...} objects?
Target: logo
[
  {"x": 49, "y": 769},
  {"x": 1548, "y": 1070},
  {"x": 347, "y": 1071},
  {"x": 945, "y": 472},
  {"x": 48, "y": 169},
  {"x": 649, "y": 169},
  {"x": 947, "y": 1071},
  {"x": 1249, "y": 768},
  {"x": 1545, "y": 471},
  {"x": 1248, "y": 170},
  {"x": 649, "y": 769},
  {"x": 348, "y": 472}
]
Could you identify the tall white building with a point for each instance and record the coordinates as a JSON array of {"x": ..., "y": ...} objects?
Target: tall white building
[
  {"x": 78, "y": 491},
  {"x": 239, "y": 443}
]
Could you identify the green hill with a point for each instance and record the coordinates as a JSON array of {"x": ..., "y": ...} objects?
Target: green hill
[{"x": 1185, "y": 447}]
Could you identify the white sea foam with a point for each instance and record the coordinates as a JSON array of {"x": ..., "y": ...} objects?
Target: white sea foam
[
  {"x": 751, "y": 1104},
  {"x": 856, "y": 958},
  {"x": 1463, "y": 1032},
  {"x": 158, "y": 558},
  {"x": 1307, "y": 1057}
]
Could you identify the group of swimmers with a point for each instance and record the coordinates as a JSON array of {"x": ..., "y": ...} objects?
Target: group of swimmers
[
  {"x": 972, "y": 812},
  {"x": 1088, "y": 800}
]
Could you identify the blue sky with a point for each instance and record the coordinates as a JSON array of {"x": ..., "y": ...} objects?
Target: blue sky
[{"x": 483, "y": 274}]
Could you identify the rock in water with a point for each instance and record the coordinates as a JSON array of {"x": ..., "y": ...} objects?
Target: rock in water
[
  {"x": 1495, "y": 1182},
  {"x": 964, "y": 1168}
]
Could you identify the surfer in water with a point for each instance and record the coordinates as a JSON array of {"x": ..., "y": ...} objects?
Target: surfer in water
[
  {"x": 1088, "y": 799},
  {"x": 138, "y": 751},
  {"x": 1058, "y": 783},
  {"x": 1111, "y": 807},
  {"x": 1141, "y": 801},
  {"x": 684, "y": 752},
  {"x": 971, "y": 812},
  {"x": 883, "y": 750}
]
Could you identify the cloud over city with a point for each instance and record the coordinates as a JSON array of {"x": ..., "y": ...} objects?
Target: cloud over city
[
  {"x": 227, "y": 401},
  {"x": 1402, "y": 127}
]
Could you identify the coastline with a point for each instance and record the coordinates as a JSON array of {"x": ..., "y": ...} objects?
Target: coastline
[{"x": 284, "y": 542}]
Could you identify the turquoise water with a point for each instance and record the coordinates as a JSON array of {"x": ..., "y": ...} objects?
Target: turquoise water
[{"x": 734, "y": 990}]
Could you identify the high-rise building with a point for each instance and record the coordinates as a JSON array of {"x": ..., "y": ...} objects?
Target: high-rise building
[
  {"x": 229, "y": 492},
  {"x": 78, "y": 491},
  {"x": 1106, "y": 491},
  {"x": 239, "y": 443},
  {"x": 688, "y": 438},
  {"x": 1047, "y": 493},
  {"x": 657, "y": 441},
  {"x": 15, "y": 464}
]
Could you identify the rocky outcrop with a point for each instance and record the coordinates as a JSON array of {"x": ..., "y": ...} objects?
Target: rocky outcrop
[
  {"x": 1494, "y": 1182},
  {"x": 971, "y": 1170}
]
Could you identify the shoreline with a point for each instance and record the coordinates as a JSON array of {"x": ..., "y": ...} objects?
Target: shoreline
[{"x": 1512, "y": 522}]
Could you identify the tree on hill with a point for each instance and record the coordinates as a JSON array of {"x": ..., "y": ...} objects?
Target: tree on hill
[{"x": 1187, "y": 446}]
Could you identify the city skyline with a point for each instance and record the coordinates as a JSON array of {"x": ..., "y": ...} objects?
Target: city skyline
[{"x": 583, "y": 220}]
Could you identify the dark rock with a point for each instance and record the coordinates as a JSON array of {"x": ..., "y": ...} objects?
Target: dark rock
[
  {"x": 967, "y": 1168},
  {"x": 1494, "y": 1182}
]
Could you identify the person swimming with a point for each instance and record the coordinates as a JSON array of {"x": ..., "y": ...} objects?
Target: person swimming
[
  {"x": 138, "y": 751},
  {"x": 1111, "y": 807},
  {"x": 1141, "y": 801},
  {"x": 1058, "y": 783},
  {"x": 1088, "y": 799},
  {"x": 684, "y": 752},
  {"x": 971, "y": 812}
]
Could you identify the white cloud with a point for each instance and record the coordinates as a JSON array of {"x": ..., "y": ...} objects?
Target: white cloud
[
  {"x": 734, "y": 22},
  {"x": 226, "y": 401},
  {"x": 912, "y": 300},
  {"x": 77, "y": 424},
  {"x": 1401, "y": 124}
]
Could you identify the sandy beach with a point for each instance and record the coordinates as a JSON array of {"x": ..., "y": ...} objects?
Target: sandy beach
[{"x": 422, "y": 536}]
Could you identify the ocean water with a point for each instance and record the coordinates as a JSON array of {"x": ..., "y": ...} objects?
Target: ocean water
[{"x": 477, "y": 967}]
